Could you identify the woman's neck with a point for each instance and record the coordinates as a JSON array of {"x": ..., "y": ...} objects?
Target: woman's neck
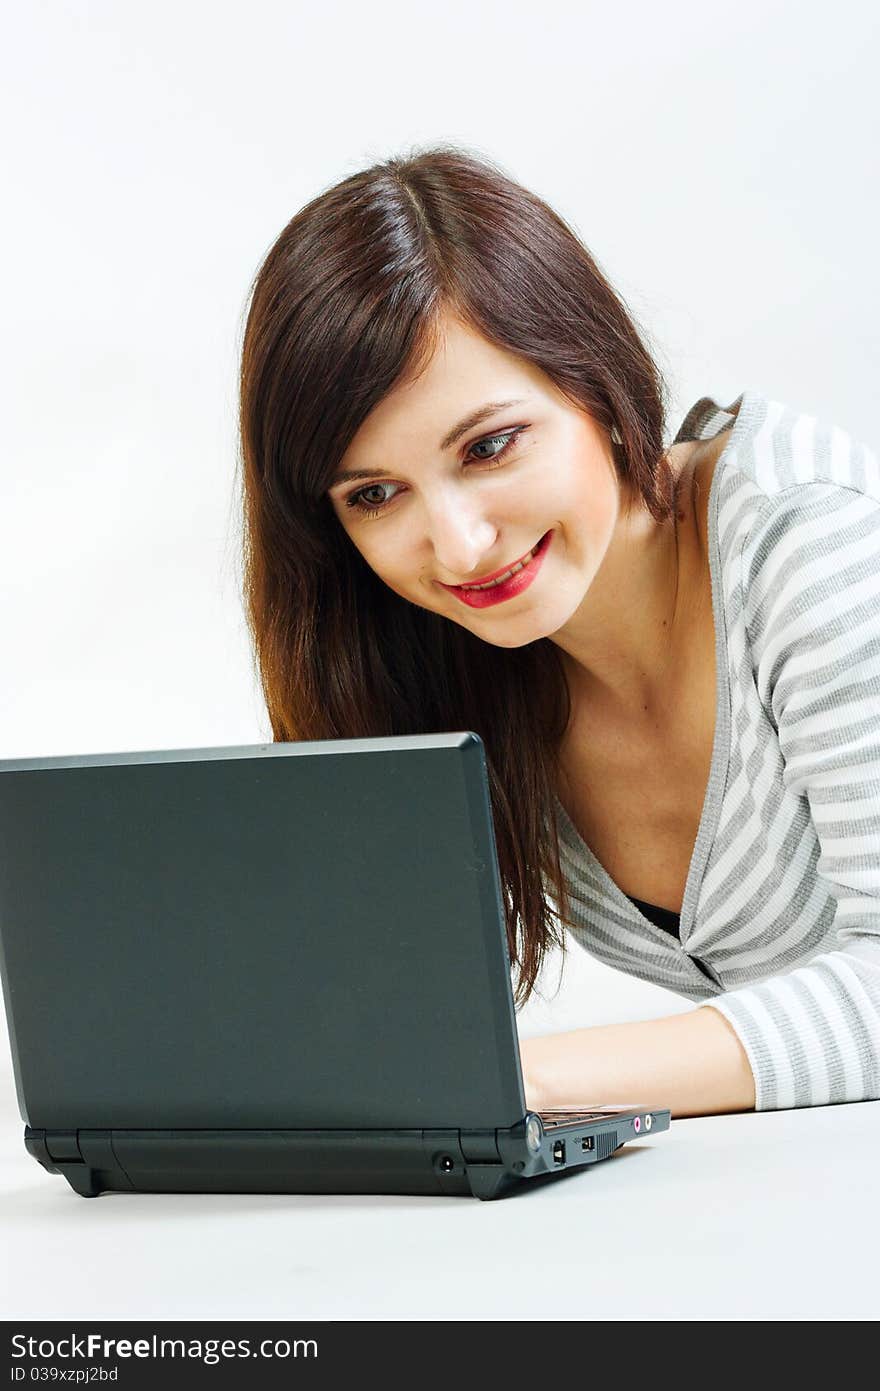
[{"x": 622, "y": 648}]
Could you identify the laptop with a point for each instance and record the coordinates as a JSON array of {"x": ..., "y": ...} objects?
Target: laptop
[{"x": 272, "y": 968}]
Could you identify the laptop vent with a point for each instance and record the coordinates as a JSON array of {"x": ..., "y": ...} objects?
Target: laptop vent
[{"x": 607, "y": 1143}]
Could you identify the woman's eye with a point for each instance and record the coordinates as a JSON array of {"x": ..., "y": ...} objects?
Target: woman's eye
[
  {"x": 492, "y": 440},
  {"x": 507, "y": 438},
  {"x": 362, "y": 492}
]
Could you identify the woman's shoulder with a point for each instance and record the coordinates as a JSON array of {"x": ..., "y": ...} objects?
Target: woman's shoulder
[
  {"x": 778, "y": 448},
  {"x": 810, "y": 551},
  {"x": 773, "y": 469}
]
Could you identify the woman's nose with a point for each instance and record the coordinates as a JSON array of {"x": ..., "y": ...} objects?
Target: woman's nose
[{"x": 461, "y": 539}]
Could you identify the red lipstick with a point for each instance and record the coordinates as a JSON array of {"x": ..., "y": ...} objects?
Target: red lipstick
[{"x": 507, "y": 589}]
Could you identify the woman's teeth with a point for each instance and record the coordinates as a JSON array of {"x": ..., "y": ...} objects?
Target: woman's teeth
[{"x": 501, "y": 578}]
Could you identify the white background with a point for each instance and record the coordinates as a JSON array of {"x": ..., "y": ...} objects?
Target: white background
[{"x": 719, "y": 162}]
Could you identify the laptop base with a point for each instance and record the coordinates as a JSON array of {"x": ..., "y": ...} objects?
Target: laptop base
[{"x": 447, "y": 1162}]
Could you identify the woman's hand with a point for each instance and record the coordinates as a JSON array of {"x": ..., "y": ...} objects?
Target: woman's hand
[
  {"x": 694, "y": 1063},
  {"x": 528, "y": 1052}
]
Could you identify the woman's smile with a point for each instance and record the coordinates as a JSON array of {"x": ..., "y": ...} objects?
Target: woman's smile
[{"x": 497, "y": 591}]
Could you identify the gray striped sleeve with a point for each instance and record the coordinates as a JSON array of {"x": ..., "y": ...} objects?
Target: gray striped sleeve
[{"x": 811, "y": 597}]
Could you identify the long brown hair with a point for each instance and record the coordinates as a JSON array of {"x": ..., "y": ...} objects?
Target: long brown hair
[{"x": 345, "y": 304}]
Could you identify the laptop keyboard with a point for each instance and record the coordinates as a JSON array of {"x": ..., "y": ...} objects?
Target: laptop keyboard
[{"x": 550, "y": 1119}]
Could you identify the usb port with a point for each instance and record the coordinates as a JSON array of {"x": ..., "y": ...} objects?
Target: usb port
[
  {"x": 588, "y": 1142},
  {"x": 559, "y": 1152}
]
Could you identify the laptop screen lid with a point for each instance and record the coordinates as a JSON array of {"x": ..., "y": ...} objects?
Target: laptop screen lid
[{"x": 294, "y": 935}]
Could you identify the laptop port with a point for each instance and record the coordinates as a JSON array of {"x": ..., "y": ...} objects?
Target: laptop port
[
  {"x": 559, "y": 1152},
  {"x": 588, "y": 1143},
  {"x": 649, "y": 1121}
]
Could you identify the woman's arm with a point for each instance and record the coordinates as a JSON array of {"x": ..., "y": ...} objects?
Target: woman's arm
[
  {"x": 810, "y": 1032},
  {"x": 693, "y": 1063}
]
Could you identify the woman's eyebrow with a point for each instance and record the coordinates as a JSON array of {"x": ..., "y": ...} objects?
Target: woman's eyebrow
[
  {"x": 469, "y": 422},
  {"x": 475, "y": 418}
]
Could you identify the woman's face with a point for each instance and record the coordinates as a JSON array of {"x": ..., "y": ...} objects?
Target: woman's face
[{"x": 429, "y": 510}]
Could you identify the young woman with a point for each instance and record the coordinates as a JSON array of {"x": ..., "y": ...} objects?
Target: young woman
[{"x": 677, "y": 678}]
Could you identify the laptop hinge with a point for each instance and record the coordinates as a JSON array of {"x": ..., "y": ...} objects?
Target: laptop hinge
[
  {"x": 84, "y": 1157},
  {"x": 479, "y": 1146},
  {"x": 63, "y": 1145}
]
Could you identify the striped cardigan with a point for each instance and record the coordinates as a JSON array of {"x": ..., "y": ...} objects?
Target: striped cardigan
[{"x": 780, "y": 922}]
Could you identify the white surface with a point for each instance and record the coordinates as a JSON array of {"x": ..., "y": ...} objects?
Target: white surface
[
  {"x": 752, "y": 1216},
  {"x": 758, "y": 1216}
]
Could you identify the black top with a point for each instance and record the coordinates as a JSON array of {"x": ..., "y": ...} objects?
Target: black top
[{"x": 663, "y": 917}]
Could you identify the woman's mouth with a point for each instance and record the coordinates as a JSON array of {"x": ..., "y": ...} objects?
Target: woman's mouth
[{"x": 508, "y": 585}]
